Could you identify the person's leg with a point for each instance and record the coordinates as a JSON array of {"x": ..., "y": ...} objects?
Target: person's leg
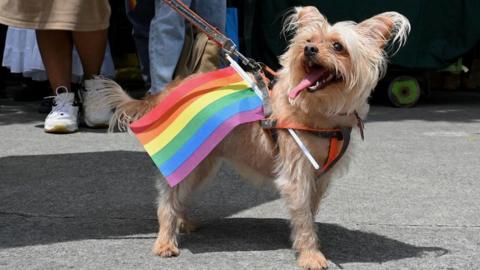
[
  {"x": 167, "y": 32},
  {"x": 56, "y": 51},
  {"x": 91, "y": 49},
  {"x": 213, "y": 11},
  {"x": 3, "y": 33},
  {"x": 140, "y": 17}
]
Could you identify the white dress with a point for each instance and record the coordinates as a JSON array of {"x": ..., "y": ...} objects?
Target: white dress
[{"x": 21, "y": 55}]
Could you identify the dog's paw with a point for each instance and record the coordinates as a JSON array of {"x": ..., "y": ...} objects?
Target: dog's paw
[
  {"x": 165, "y": 250},
  {"x": 187, "y": 226},
  {"x": 312, "y": 260}
]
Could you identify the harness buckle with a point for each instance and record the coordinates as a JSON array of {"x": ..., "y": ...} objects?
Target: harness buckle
[
  {"x": 268, "y": 123},
  {"x": 338, "y": 135}
]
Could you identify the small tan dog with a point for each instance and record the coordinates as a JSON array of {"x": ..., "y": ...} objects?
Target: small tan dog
[{"x": 343, "y": 63}]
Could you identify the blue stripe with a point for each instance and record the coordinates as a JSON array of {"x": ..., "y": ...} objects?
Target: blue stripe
[{"x": 202, "y": 134}]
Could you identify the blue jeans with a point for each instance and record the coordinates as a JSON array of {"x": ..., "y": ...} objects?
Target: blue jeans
[{"x": 167, "y": 33}]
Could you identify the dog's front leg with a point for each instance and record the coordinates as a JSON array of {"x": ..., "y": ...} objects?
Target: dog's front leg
[{"x": 297, "y": 192}]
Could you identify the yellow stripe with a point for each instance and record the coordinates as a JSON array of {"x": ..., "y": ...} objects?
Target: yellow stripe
[{"x": 182, "y": 120}]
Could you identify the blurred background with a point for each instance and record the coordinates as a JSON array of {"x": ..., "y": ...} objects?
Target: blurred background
[{"x": 442, "y": 52}]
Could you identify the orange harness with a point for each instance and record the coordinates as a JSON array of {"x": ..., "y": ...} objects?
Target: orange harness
[{"x": 339, "y": 138}]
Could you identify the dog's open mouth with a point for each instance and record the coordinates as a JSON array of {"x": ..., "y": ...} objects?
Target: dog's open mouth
[{"x": 318, "y": 77}]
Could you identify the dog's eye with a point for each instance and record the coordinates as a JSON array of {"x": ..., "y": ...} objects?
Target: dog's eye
[
  {"x": 337, "y": 47},
  {"x": 308, "y": 40}
]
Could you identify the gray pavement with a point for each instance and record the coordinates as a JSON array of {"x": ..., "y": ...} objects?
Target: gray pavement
[{"x": 86, "y": 200}]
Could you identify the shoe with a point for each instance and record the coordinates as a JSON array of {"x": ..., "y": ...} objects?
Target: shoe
[
  {"x": 94, "y": 114},
  {"x": 64, "y": 114}
]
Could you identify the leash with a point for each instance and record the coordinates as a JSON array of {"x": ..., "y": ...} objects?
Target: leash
[{"x": 231, "y": 52}]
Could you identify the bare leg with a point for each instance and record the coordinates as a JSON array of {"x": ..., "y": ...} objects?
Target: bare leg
[
  {"x": 91, "y": 49},
  {"x": 56, "y": 50}
]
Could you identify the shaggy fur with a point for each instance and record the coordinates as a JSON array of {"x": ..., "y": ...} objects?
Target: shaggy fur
[{"x": 358, "y": 64}]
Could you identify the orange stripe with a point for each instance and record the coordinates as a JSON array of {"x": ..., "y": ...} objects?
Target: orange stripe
[
  {"x": 162, "y": 123},
  {"x": 160, "y": 126},
  {"x": 177, "y": 95},
  {"x": 284, "y": 124}
]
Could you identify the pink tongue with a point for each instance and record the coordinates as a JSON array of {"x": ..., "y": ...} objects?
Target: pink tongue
[{"x": 310, "y": 79}]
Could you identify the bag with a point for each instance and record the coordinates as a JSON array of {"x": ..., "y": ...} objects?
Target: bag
[{"x": 199, "y": 55}]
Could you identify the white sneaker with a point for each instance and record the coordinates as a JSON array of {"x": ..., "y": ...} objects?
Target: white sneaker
[
  {"x": 64, "y": 114},
  {"x": 94, "y": 113}
]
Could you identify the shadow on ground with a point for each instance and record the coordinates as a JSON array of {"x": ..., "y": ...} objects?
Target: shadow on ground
[
  {"x": 12, "y": 112},
  {"x": 108, "y": 195},
  {"x": 51, "y": 198},
  {"x": 339, "y": 244}
]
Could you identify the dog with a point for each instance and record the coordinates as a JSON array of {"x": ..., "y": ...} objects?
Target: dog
[{"x": 328, "y": 72}]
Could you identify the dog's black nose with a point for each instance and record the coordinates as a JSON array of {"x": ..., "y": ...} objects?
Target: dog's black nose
[{"x": 310, "y": 50}]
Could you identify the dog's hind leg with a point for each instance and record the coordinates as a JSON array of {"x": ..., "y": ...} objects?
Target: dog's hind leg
[
  {"x": 172, "y": 206},
  {"x": 186, "y": 225},
  {"x": 297, "y": 189}
]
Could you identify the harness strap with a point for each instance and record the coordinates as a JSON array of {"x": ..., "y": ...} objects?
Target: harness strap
[
  {"x": 332, "y": 153},
  {"x": 283, "y": 124},
  {"x": 335, "y": 136},
  {"x": 335, "y": 154}
]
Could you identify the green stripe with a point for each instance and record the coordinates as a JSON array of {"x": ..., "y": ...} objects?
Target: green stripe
[{"x": 197, "y": 121}]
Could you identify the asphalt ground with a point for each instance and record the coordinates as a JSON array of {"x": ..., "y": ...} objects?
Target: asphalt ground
[{"x": 411, "y": 199}]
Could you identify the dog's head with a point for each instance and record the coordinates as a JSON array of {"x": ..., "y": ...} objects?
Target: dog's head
[{"x": 334, "y": 68}]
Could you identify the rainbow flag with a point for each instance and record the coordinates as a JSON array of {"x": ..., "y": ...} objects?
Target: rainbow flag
[{"x": 194, "y": 118}]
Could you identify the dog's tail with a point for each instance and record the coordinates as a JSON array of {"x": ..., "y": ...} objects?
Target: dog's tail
[{"x": 126, "y": 109}]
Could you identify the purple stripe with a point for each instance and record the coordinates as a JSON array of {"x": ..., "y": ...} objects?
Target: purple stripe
[{"x": 217, "y": 136}]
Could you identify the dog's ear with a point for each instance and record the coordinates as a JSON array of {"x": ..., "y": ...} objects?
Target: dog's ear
[
  {"x": 308, "y": 14},
  {"x": 302, "y": 16},
  {"x": 385, "y": 27}
]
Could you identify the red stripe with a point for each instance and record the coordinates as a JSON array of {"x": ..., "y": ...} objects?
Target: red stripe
[
  {"x": 165, "y": 120},
  {"x": 173, "y": 100}
]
